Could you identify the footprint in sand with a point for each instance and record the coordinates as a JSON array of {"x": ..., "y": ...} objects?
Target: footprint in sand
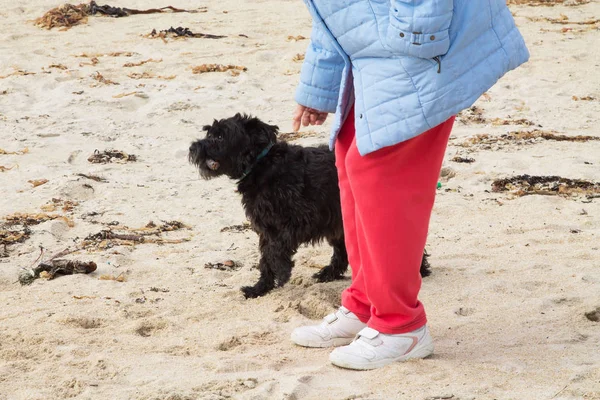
[
  {"x": 84, "y": 322},
  {"x": 593, "y": 315},
  {"x": 150, "y": 328}
]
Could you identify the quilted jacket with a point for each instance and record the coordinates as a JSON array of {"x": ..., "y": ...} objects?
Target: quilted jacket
[{"x": 407, "y": 65}]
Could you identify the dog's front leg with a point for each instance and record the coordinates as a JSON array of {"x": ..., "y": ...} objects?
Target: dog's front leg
[
  {"x": 275, "y": 267},
  {"x": 338, "y": 264}
]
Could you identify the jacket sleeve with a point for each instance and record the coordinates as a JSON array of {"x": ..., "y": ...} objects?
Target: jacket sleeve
[
  {"x": 419, "y": 28},
  {"x": 321, "y": 74}
]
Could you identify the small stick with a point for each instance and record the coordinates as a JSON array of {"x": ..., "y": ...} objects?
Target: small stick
[
  {"x": 157, "y": 10},
  {"x": 120, "y": 236},
  {"x": 39, "y": 257},
  {"x": 560, "y": 391},
  {"x": 63, "y": 253},
  {"x": 92, "y": 177}
]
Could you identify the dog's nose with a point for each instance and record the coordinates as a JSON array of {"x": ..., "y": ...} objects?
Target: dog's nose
[
  {"x": 195, "y": 147},
  {"x": 196, "y": 151}
]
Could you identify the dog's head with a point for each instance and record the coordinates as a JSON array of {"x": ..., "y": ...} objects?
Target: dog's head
[{"x": 231, "y": 146}]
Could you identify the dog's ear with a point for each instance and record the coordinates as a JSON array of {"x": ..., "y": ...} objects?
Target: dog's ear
[
  {"x": 206, "y": 128},
  {"x": 255, "y": 126}
]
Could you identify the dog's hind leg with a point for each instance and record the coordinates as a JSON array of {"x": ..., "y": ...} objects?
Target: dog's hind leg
[
  {"x": 425, "y": 267},
  {"x": 338, "y": 264},
  {"x": 275, "y": 268}
]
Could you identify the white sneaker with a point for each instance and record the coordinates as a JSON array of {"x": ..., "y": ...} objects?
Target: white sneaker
[
  {"x": 373, "y": 349},
  {"x": 337, "y": 329}
]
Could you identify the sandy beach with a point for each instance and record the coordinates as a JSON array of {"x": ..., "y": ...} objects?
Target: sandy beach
[{"x": 514, "y": 298}]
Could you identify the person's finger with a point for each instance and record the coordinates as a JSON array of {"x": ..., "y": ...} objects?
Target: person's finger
[
  {"x": 297, "y": 117},
  {"x": 314, "y": 118},
  {"x": 321, "y": 117},
  {"x": 296, "y": 125},
  {"x": 305, "y": 118}
]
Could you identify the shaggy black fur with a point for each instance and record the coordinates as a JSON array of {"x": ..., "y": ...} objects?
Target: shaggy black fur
[{"x": 290, "y": 195}]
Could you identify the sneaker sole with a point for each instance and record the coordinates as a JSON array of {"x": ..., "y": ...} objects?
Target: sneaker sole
[
  {"x": 322, "y": 344},
  {"x": 418, "y": 352}
]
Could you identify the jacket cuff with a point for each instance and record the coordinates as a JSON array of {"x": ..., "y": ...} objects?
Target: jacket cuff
[
  {"x": 417, "y": 44},
  {"x": 319, "y": 99}
]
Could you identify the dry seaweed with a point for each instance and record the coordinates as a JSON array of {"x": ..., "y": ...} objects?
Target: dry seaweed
[
  {"x": 109, "y": 156},
  {"x": 100, "y": 78},
  {"x": 485, "y": 141},
  {"x": 38, "y": 182},
  {"x": 298, "y": 57},
  {"x": 111, "y": 54},
  {"x": 69, "y": 15},
  {"x": 238, "y": 228},
  {"x": 12, "y": 236},
  {"x": 584, "y": 98},
  {"x": 200, "y": 69},
  {"x": 180, "y": 32},
  {"x": 64, "y": 16},
  {"x": 464, "y": 160},
  {"x": 57, "y": 66},
  {"x": 148, "y": 75},
  {"x": 118, "y": 278},
  {"x": 93, "y": 61},
  {"x": 108, "y": 234},
  {"x": 122, "y": 235},
  {"x": 30, "y": 219},
  {"x": 152, "y": 229},
  {"x": 295, "y": 38},
  {"x": 17, "y": 72},
  {"x": 564, "y": 20},
  {"x": 472, "y": 114},
  {"x": 523, "y": 185},
  {"x": 521, "y": 121},
  {"x": 548, "y": 3},
  {"x": 228, "y": 265},
  {"x": 19, "y": 152},
  {"x": 137, "y": 64},
  {"x": 49, "y": 270},
  {"x": 4, "y": 169},
  {"x": 15, "y": 228},
  {"x": 118, "y": 12},
  {"x": 159, "y": 290},
  {"x": 54, "y": 204},
  {"x": 291, "y": 136}
]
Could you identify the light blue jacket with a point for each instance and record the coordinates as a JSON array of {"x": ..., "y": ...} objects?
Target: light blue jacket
[{"x": 407, "y": 65}]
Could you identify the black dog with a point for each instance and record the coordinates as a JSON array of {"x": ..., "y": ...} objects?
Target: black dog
[{"x": 290, "y": 194}]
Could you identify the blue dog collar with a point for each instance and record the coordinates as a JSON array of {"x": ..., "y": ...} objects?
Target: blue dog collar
[{"x": 258, "y": 158}]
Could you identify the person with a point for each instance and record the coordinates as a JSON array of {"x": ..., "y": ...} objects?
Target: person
[{"x": 395, "y": 73}]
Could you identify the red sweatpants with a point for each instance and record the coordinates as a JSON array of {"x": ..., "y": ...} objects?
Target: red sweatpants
[{"x": 387, "y": 197}]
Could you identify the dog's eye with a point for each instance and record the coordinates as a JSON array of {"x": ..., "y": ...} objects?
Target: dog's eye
[{"x": 219, "y": 137}]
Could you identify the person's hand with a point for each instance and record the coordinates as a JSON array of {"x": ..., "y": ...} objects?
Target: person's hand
[{"x": 307, "y": 116}]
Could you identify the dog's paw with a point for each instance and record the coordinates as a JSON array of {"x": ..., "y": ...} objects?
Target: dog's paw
[
  {"x": 425, "y": 266},
  {"x": 327, "y": 275},
  {"x": 251, "y": 292}
]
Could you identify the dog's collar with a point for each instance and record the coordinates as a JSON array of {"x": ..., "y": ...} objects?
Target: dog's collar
[{"x": 258, "y": 158}]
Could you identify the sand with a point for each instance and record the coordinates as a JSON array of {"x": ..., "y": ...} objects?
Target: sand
[{"x": 512, "y": 276}]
